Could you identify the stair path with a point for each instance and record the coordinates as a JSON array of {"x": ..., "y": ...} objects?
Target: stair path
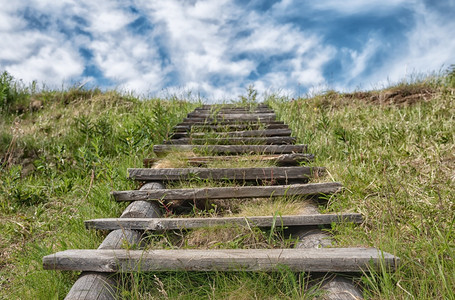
[{"x": 253, "y": 132}]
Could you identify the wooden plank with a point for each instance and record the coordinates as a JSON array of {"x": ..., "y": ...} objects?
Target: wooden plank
[
  {"x": 297, "y": 260},
  {"x": 233, "y": 106},
  {"x": 228, "y": 127},
  {"x": 101, "y": 286},
  {"x": 191, "y": 223},
  {"x": 227, "y": 122},
  {"x": 232, "y": 111},
  {"x": 232, "y": 116},
  {"x": 243, "y": 174},
  {"x": 243, "y": 133},
  {"x": 232, "y": 149},
  {"x": 269, "y": 140},
  {"x": 229, "y": 192},
  {"x": 232, "y": 119},
  {"x": 279, "y": 159}
]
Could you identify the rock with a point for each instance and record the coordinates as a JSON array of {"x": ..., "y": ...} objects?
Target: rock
[{"x": 36, "y": 105}]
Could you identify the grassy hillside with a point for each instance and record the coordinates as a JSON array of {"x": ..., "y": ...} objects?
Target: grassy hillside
[{"x": 62, "y": 152}]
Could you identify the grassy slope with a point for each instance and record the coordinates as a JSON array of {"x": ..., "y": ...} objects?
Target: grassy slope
[
  {"x": 60, "y": 163},
  {"x": 397, "y": 163}
]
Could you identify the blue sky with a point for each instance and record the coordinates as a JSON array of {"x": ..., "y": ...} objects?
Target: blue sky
[{"x": 216, "y": 48}]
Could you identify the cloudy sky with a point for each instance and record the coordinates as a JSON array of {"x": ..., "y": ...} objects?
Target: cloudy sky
[{"x": 217, "y": 47}]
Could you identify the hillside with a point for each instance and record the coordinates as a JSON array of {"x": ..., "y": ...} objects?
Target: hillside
[{"x": 62, "y": 152}]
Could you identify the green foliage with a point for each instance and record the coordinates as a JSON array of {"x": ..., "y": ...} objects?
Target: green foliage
[
  {"x": 396, "y": 162},
  {"x": 12, "y": 92},
  {"x": 450, "y": 77},
  {"x": 250, "y": 99}
]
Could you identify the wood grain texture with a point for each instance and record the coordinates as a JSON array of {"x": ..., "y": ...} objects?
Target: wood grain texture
[
  {"x": 158, "y": 224},
  {"x": 232, "y": 116},
  {"x": 210, "y": 112},
  {"x": 242, "y": 133},
  {"x": 297, "y": 260},
  {"x": 232, "y": 149},
  {"x": 101, "y": 286},
  {"x": 268, "y": 140},
  {"x": 279, "y": 159},
  {"x": 241, "y": 174},
  {"x": 228, "y": 127},
  {"x": 202, "y": 121},
  {"x": 229, "y": 192}
]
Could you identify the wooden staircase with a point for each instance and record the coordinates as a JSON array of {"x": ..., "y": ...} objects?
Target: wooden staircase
[{"x": 224, "y": 133}]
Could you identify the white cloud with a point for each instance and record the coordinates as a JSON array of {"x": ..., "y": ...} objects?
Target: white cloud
[{"x": 210, "y": 46}]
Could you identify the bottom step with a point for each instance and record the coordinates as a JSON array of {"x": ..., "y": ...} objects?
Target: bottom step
[{"x": 298, "y": 260}]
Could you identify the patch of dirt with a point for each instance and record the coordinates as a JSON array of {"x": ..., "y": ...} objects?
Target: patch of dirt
[{"x": 401, "y": 95}]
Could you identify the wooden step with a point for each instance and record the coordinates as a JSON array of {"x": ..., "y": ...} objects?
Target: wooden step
[
  {"x": 243, "y": 133},
  {"x": 233, "y": 116},
  {"x": 297, "y": 260},
  {"x": 191, "y": 121},
  {"x": 232, "y": 149},
  {"x": 197, "y": 112},
  {"x": 270, "y": 140},
  {"x": 229, "y": 192},
  {"x": 278, "y": 159},
  {"x": 242, "y": 174},
  {"x": 228, "y": 127},
  {"x": 191, "y": 223},
  {"x": 233, "y": 106}
]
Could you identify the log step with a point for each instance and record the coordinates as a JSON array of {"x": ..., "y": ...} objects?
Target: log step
[
  {"x": 229, "y": 192},
  {"x": 279, "y": 140},
  {"x": 280, "y": 160},
  {"x": 243, "y": 133},
  {"x": 297, "y": 260},
  {"x": 229, "y": 127},
  {"x": 233, "y": 116},
  {"x": 243, "y": 174},
  {"x": 198, "y": 111},
  {"x": 203, "y": 121},
  {"x": 160, "y": 224},
  {"x": 232, "y": 149}
]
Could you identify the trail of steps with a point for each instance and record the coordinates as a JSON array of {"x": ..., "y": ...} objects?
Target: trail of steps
[{"x": 246, "y": 132}]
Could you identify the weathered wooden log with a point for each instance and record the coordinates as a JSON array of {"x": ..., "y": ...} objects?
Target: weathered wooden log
[
  {"x": 334, "y": 286},
  {"x": 233, "y": 106},
  {"x": 232, "y": 149},
  {"x": 279, "y": 159},
  {"x": 298, "y": 260},
  {"x": 243, "y": 133},
  {"x": 232, "y": 116},
  {"x": 269, "y": 140},
  {"x": 205, "y": 112},
  {"x": 232, "y": 119},
  {"x": 242, "y": 174},
  {"x": 101, "y": 286},
  {"x": 228, "y": 122},
  {"x": 228, "y": 127},
  {"x": 229, "y": 192},
  {"x": 159, "y": 224}
]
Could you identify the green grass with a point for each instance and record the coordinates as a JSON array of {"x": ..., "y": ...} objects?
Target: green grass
[
  {"x": 395, "y": 156},
  {"x": 397, "y": 163}
]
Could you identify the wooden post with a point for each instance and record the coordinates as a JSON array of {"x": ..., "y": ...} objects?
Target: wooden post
[
  {"x": 101, "y": 286},
  {"x": 334, "y": 286}
]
